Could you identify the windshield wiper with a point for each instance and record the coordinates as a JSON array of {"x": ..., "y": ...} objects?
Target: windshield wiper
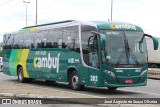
[
  {"x": 120, "y": 58},
  {"x": 129, "y": 54}
]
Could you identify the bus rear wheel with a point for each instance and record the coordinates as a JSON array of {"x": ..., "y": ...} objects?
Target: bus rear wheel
[
  {"x": 74, "y": 82},
  {"x": 21, "y": 77}
]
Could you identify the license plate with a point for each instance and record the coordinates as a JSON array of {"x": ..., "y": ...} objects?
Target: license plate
[{"x": 128, "y": 81}]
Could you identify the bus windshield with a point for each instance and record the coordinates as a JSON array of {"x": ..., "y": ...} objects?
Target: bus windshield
[{"x": 124, "y": 48}]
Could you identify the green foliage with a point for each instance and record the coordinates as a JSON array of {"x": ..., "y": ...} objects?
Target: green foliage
[
  {"x": 0, "y": 53},
  {"x": 0, "y": 49}
]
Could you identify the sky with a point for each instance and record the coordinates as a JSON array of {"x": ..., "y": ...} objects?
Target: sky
[{"x": 144, "y": 13}]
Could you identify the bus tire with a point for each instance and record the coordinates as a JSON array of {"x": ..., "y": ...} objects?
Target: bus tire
[
  {"x": 112, "y": 88},
  {"x": 74, "y": 82},
  {"x": 21, "y": 75}
]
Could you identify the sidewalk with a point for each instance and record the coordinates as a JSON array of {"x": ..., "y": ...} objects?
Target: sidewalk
[{"x": 24, "y": 90}]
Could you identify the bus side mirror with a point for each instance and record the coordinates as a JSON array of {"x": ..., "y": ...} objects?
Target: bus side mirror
[
  {"x": 155, "y": 40},
  {"x": 155, "y": 43}
]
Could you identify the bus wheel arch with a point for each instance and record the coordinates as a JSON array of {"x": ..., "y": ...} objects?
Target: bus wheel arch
[{"x": 73, "y": 79}]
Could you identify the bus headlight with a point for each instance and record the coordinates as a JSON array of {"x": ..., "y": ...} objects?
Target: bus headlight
[
  {"x": 110, "y": 73},
  {"x": 143, "y": 72}
]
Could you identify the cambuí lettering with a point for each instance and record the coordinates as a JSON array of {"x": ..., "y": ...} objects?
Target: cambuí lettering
[
  {"x": 47, "y": 62},
  {"x": 123, "y": 26}
]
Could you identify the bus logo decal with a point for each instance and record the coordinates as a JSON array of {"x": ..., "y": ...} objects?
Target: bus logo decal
[
  {"x": 122, "y": 26},
  {"x": 47, "y": 62}
]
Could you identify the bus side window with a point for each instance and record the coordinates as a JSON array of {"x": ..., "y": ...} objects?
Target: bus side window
[
  {"x": 71, "y": 38},
  {"x": 8, "y": 41},
  {"x": 18, "y": 41},
  {"x": 59, "y": 37},
  {"x": 68, "y": 40},
  {"x": 40, "y": 40},
  {"x": 33, "y": 40},
  {"x": 28, "y": 40},
  {"x": 52, "y": 38}
]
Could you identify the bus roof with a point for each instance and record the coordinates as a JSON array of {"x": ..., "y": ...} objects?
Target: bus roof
[{"x": 99, "y": 24}]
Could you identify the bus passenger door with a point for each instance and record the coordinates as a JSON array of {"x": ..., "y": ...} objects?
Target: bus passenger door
[{"x": 93, "y": 61}]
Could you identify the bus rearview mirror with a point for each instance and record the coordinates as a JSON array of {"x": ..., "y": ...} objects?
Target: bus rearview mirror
[{"x": 155, "y": 43}]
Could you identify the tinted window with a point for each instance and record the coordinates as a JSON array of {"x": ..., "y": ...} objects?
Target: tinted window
[
  {"x": 18, "y": 41},
  {"x": 52, "y": 41},
  {"x": 49, "y": 39},
  {"x": 28, "y": 40},
  {"x": 40, "y": 39},
  {"x": 8, "y": 41},
  {"x": 70, "y": 38}
]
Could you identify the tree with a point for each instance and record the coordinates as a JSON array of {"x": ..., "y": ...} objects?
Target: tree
[{"x": 1, "y": 44}]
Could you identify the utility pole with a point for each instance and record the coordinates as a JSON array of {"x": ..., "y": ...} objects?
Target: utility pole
[
  {"x": 111, "y": 8},
  {"x": 26, "y": 10},
  {"x": 36, "y": 10}
]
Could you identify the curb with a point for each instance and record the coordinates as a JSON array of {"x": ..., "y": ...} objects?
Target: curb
[{"x": 15, "y": 95}]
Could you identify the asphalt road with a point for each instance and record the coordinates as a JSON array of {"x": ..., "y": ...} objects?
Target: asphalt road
[{"x": 152, "y": 90}]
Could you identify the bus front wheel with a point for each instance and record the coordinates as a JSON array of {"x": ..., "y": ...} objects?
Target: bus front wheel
[{"x": 74, "y": 82}]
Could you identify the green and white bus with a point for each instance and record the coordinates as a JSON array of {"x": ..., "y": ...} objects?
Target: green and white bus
[{"x": 99, "y": 54}]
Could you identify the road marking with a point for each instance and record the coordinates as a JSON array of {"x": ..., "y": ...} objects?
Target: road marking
[
  {"x": 144, "y": 105},
  {"x": 1, "y": 73},
  {"x": 54, "y": 89},
  {"x": 140, "y": 91},
  {"x": 127, "y": 105}
]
